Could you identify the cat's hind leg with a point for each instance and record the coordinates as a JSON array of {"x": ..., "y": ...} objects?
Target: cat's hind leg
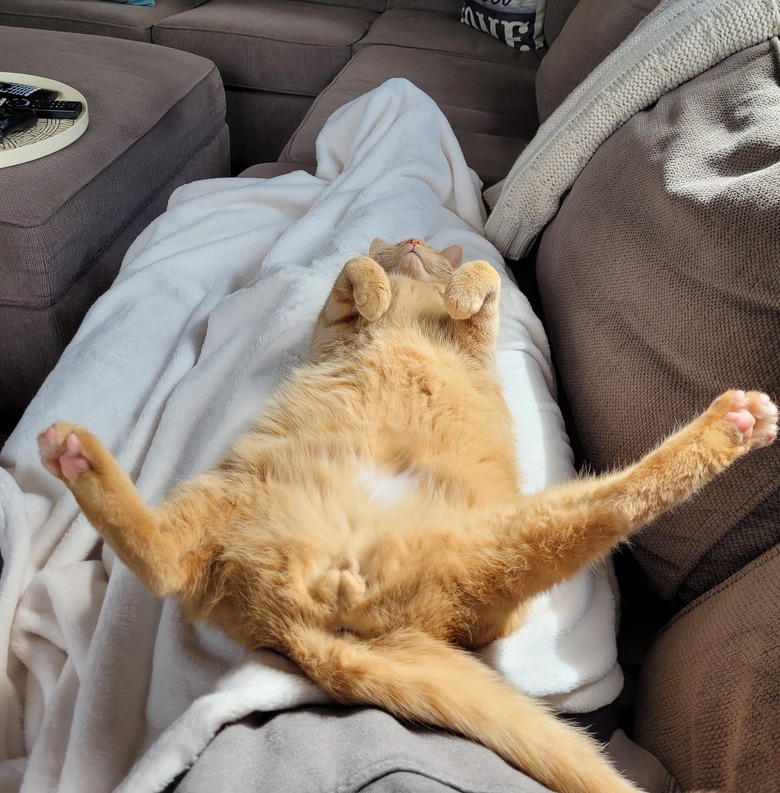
[
  {"x": 562, "y": 529},
  {"x": 166, "y": 546},
  {"x": 471, "y": 299},
  {"x": 517, "y": 549}
]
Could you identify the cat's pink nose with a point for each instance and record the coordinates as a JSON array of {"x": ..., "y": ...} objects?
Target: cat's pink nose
[{"x": 415, "y": 242}]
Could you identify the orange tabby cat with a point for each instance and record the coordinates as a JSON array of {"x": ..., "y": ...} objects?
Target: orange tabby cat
[{"x": 369, "y": 525}]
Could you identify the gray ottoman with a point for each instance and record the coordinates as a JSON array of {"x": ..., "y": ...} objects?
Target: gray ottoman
[{"x": 157, "y": 121}]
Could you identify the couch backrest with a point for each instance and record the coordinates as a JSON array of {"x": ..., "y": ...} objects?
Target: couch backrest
[
  {"x": 592, "y": 31},
  {"x": 555, "y": 16},
  {"x": 660, "y": 288}
]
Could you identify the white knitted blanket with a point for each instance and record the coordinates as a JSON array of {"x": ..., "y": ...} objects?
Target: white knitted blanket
[{"x": 673, "y": 44}]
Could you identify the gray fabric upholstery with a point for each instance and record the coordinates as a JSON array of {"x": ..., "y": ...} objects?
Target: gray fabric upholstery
[
  {"x": 440, "y": 6},
  {"x": 33, "y": 339},
  {"x": 262, "y": 44},
  {"x": 151, "y": 112},
  {"x": 428, "y": 31},
  {"x": 472, "y": 94},
  {"x": 267, "y": 170},
  {"x": 556, "y": 14},
  {"x": 91, "y": 16},
  {"x": 371, "y": 5},
  {"x": 319, "y": 750},
  {"x": 261, "y": 123},
  {"x": 710, "y": 687},
  {"x": 276, "y": 56},
  {"x": 593, "y": 30},
  {"x": 660, "y": 287}
]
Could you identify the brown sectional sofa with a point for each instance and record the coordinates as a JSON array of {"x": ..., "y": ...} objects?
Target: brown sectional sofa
[
  {"x": 277, "y": 56},
  {"x": 285, "y": 66},
  {"x": 628, "y": 298}
]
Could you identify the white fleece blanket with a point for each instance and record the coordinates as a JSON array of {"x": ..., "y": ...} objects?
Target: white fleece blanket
[
  {"x": 677, "y": 41},
  {"x": 104, "y": 687}
]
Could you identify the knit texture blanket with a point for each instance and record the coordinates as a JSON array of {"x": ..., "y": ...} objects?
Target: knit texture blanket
[
  {"x": 677, "y": 41},
  {"x": 103, "y": 686}
]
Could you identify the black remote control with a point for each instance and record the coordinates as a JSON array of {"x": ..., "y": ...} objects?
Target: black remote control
[
  {"x": 25, "y": 91},
  {"x": 45, "y": 108}
]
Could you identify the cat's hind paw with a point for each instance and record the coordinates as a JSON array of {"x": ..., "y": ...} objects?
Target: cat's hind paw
[
  {"x": 752, "y": 413},
  {"x": 61, "y": 451}
]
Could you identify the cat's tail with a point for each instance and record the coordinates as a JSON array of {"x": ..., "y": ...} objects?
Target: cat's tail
[{"x": 416, "y": 677}]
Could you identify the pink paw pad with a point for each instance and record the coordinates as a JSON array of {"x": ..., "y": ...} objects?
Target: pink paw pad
[
  {"x": 68, "y": 461},
  {"x": 743, "y": 420},
  {"x": 72, "y": 463},
  {"x": 754, "y": 415}
]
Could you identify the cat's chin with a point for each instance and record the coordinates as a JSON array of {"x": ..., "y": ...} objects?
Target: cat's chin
[{"x": 412, "y": 266}]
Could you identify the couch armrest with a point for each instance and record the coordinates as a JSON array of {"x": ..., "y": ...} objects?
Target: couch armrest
[{"x": 710, "y": 686}]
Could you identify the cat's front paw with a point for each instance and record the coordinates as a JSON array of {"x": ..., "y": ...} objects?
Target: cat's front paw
[
  {"x": 370, "y": 287},
  {"x": 751, "y": 413},
  {"x": 469, "y": 287},
  {"x": 62, "y": 452}
]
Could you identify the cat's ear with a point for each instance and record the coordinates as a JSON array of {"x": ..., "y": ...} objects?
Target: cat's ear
[
  {"x": 454, "y": 255},
  {"x": 377, "y": 246}
]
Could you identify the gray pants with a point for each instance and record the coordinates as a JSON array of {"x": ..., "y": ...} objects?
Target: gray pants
[{"x": 345, "y": 750}]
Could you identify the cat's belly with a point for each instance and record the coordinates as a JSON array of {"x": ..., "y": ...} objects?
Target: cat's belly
[{"x": 385, "y": 487}]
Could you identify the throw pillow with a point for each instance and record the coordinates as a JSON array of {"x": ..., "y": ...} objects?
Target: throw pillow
[
  {"x": 518, "y": 23},
  {"x": 659, "y": 283}
]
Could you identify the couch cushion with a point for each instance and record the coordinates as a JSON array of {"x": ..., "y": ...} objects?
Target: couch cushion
[
  {"x": 592, "y": 31},
  {"x": 273, "y": 45},
  {"x": 370, "y": 5},
  {"x": 66, "y": 220},
  {"x": 471, "y": 93},
  {"x": 91, "y": 16},
  {"x": 556, "y": 13},
  {"x": 149, "y": 108},
  {"x": 439, "y": 6},
  {"x": 425, "y": 30},
  {"x": 708, "y": 693},
  {"x": 660, "y": 287}
]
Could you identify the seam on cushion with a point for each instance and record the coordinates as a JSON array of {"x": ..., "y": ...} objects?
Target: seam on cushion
[
  {"x": 260, "y": 37},
  {"x": 459, "y": 56},
  {"x": 256, "y": 90},
  {"x": 475, "y": 111},
  {"x": 732, "y": 580},
  {"x": 76, "y": 19},
  {"x": 137, "y": 138},
  {"x": 480, "y": 58}
]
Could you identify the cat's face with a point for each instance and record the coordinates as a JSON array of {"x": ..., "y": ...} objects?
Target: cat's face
[{"x": 414, "y": 259}]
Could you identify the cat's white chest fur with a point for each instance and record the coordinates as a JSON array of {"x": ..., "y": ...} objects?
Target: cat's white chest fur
[{"x": 386, "y": 487}]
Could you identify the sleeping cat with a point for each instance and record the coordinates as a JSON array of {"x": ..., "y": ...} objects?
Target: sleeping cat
[{"x": 370, "y": 526}]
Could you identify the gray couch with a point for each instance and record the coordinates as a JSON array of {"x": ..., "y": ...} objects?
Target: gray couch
[
  {"x": 285, "y": 65},
  {"x": 277, "y": 56},
  {"x": 655, "y": 294}
]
